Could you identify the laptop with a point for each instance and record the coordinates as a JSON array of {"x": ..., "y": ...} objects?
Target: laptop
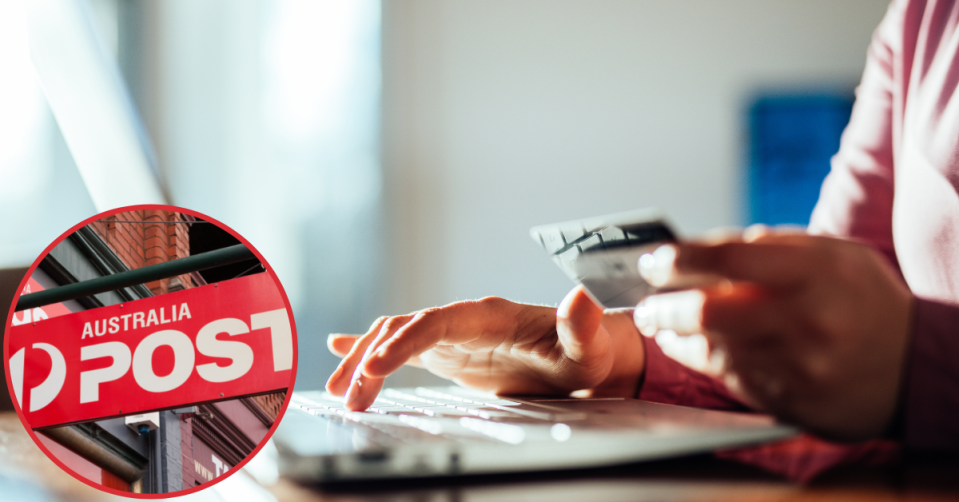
[{"x": 452, "y": 431}]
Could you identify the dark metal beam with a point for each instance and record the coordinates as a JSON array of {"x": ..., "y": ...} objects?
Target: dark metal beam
[
  {"x": 202, "y": 261},
  {"x": 89, "y": 449},
  {"x": 106, "y": 261}
]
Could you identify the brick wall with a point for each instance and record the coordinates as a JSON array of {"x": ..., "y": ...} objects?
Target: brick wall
[
  {"x": 150, "y": 241},
  {"x": 271, "y": 403},
  {"x": 126, "y": 239}
]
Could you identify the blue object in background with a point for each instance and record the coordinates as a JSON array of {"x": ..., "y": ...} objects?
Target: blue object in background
[{"x": 792, "y": 139}]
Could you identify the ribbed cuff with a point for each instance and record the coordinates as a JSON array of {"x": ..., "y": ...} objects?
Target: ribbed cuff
[{"x": 930, "y": 405}]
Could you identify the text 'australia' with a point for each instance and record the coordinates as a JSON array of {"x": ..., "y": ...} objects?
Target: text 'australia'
[{"x": 135, "y": 320}]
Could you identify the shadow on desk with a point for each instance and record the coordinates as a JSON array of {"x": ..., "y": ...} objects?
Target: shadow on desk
[{"x": 820, "y": 471}]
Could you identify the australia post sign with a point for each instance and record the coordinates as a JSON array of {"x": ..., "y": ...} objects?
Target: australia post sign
[{"x": 208, "y": 343}]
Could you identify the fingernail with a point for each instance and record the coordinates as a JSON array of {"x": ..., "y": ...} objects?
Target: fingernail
[
  {"x": 329, "y": 341},
  {"x": 679, "y": 312},
  {"x": 657, "y": 267}
]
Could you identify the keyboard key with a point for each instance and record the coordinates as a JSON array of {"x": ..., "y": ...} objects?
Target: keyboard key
[
  {"x": 573, "y": 232},
  {"x": 613, "y": 237},
  {"x": 592, "y": 243},
  {"x": 552, "y": 241}
]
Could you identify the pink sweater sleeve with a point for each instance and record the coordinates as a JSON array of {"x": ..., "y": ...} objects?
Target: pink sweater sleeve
[
  {"x": 857, "y": 196},
  {"x": 857, "y": 202}
]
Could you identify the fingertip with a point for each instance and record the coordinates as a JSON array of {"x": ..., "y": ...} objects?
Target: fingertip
[
  {"x": 334, "y": 384},
  {"x": 678, "y": 311},
  {"x": 362, "y": 393},
  {"x": 340, "y": 344},
  {"x": 351, "y": 394},
  {"x": 656, "y": 268},
  {"x": 563, "y": 309},
  {"x": 578, "y": 318},
  {"x": 330, "y": 387},
  {"x": 644, "y": 320},
  {"x": 359, "y": 404},
  {"x": 576, "y": 303}
]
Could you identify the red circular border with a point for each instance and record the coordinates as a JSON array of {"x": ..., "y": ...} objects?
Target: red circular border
[{"x": 29, "y": 273}]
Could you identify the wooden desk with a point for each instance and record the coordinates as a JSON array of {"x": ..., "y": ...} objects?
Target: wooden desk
[
  {"x": 698, "y": 479},
  {"x": 22, "y": 461},
  {"x": 704, "y": 478}
]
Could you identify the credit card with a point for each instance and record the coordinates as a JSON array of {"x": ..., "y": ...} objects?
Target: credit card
[{"x": 602, "y": 253}]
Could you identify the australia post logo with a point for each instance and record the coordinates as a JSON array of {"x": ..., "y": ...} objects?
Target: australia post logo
[{"x": 214, "y": 342}]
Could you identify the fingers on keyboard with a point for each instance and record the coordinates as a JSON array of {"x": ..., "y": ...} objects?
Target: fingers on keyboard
[
  {"x": 362, "y": 392},
  {"x": 364, "y": 387},
  {"x": 341, "y": 379}
]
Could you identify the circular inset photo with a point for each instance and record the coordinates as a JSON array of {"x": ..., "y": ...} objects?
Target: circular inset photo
[{"x": 150, "y": 351}]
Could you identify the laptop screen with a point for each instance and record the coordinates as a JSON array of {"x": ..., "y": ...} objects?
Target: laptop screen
[{"x": 92, "y": 105}]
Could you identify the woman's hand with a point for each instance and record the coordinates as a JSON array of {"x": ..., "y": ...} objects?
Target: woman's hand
[
  {"x": 496, "y": 345},
  {"x": 815, "y": 329}
]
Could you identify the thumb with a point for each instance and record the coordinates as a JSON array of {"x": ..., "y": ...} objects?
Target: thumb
[{"x": 578, "y": 320}]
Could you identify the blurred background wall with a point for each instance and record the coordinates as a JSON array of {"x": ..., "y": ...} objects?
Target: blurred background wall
[
  {"x": 389, "y": 157},
  {"x": 500, "y": 115}
]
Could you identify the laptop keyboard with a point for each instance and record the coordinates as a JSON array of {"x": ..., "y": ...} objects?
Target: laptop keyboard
[{"x": 425, "y": 415}]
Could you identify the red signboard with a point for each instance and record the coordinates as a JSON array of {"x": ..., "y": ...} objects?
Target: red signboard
[
  {"x": 214, "y": 342},
  {"x": 39, "y": 313}
]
